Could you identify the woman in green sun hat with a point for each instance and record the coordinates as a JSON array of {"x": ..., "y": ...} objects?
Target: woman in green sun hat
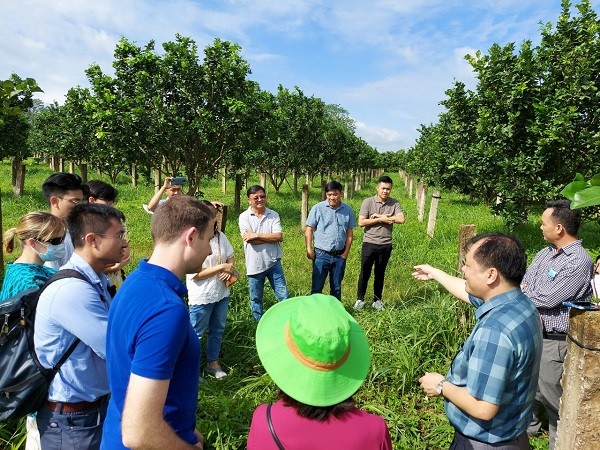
[{"x": 318, "y": 356}]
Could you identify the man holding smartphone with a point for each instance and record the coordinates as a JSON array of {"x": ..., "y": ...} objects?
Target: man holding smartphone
[{"x": 172, "y": 186}]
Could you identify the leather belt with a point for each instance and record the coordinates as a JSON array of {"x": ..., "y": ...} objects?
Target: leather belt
[
  {"x": 75, "y": 406},
  {"x": 556, "y": 336},
  {"x": 332, "y": 252}
]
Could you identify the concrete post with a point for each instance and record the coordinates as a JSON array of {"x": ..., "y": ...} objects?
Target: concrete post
[{"x": 580, "y": 403}]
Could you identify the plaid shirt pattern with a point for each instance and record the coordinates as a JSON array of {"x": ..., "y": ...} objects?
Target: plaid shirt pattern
[
  {"x": 499, "y": 363},
  {"x": 556, "y": 276}
]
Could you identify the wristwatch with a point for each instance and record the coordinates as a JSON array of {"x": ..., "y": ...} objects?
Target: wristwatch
[{"x": 440, "y": 386}]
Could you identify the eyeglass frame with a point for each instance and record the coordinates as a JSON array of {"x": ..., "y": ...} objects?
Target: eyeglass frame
[{"x": 75, "y": 201}]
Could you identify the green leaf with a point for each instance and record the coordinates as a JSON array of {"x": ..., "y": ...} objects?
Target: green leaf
[
  {"x": 586, "y": 197},
  {"x": 571, "y": 189}
]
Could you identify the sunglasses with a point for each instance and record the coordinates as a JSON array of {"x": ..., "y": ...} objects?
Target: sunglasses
[{"x": 55, "y": 241}]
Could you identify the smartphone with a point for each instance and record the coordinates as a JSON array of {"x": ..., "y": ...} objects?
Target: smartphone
[{"x": 178, "y": 181}]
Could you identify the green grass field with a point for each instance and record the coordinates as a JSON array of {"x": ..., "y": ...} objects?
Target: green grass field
[{"x": 419, "y": 331}]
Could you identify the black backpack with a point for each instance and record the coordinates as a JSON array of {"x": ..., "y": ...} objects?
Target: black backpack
[{"x": 24, "y": 382}]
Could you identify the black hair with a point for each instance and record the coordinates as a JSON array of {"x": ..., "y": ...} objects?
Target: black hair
[
  {"x": 384, "y": 179},
  {"x": 58, "y": 184},
  {"x": 318, "y": 413},
  {"x": 91, "y": 218},
  {"x": 562, "y": 214},
  {"x": 254, "y": 189},
  {"x": 334, "y": 185},
  {"x": 503, "y": 252},
  {"x": 101, "y": 190}
]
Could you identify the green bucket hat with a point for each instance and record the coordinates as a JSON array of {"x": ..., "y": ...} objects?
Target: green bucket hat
[{"x": 313, "y": 349}]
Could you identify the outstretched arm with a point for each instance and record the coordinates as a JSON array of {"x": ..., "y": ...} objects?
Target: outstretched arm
[{"x": 454, "y": 285}]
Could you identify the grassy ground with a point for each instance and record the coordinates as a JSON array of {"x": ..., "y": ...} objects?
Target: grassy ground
[{"x": 419, "y": 331}]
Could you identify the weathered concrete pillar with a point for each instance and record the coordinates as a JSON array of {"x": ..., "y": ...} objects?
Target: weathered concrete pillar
[{"x": 580, "y": 403}]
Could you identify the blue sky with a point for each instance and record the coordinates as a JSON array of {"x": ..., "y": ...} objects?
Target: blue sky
[{"x": 388, "y": 62}]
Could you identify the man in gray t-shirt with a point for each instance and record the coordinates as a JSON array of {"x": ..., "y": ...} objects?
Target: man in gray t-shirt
[{"x": 377, "y": 215}]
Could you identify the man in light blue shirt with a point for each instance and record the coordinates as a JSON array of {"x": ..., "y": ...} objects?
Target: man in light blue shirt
[
  {"x": 331, "y": 224},
  {"x": 71, "y": 309}
]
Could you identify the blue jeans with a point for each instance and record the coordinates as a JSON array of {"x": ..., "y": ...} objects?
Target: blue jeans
[
  {"x": 71, "y": 431},
  {"x": 256, "y": 284},
  {"x": 213, "y": 316},
  {"x": 325, "y": 264}
]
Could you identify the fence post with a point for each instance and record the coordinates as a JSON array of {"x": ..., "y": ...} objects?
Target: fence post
[
  {"x": 134, "y": 176},
  {"x": 466, "y": 232},
  {"x": 224, "y": 179},
  {"x": 421, "y": 199},
  {"x": 410, "y": 187},
  {"x": 435, "y": 198},
  {"x": 580, "y": 401},
  {"x": 262, "y": 180},
  {"x": 304, "y": 208}
]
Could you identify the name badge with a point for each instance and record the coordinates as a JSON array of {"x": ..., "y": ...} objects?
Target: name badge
[{"x": 551, "y": 273}]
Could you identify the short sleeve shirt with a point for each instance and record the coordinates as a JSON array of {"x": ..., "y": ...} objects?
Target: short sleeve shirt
[
  {"x": 499, "y": 363},
  {"x": 331, "y": 225},
  {"x": 211, "y": 289},
  {"x": 380, "y": 233},
  {"x": 556, "y": 276},
  {"x": 150, "y": 335},
  {"x": 260, "y": 257}
]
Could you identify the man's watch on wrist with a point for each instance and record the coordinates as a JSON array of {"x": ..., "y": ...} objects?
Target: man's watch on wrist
[{"x": 440, "y": 386}]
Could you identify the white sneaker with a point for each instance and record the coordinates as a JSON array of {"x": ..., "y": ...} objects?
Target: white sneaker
[
  {"x": 217, "y": 373},
  {"x": 359, "y": 304},
  {"x": 378, "y": 305}
]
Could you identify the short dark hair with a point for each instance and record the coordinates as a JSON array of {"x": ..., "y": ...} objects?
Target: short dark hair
[
  {"x": 58, "y": 184},
  {"x": 254, "y": 189},
  {"x": 562, "y": 214},
  {"x": 91, "y": 218},
  {"x": 384, "y": 179},
  {"x": 177, "y": 214},
  {"x": 101, "y": 190},
  {"x": 318, "y": 413},
  {"x": 334, "y": 185},
  {"x": 503, "y": 252}
]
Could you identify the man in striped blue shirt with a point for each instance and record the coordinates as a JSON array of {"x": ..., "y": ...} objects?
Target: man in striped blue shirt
[
  {"x": 560, "y": 272},
  {"x": 491, "y": 385}
]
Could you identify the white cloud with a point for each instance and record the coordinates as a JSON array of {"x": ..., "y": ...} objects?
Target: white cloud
[{"x": 379, "y": 137}]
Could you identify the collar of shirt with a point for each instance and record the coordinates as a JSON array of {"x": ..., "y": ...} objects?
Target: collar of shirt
[
  {"x": 496, "y": 301},
  {"x": 78, "y": 263},
  {"x": 164, "y": 274},
  {"x": 567, "y": 249}
]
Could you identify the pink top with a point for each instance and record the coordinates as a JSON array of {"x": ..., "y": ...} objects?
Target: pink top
[{"x": 356, "y": 430}]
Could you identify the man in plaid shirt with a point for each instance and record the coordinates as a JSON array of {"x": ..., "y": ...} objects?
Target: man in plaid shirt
[
  {"x": 491, "y": 385},
  {"x": 560, "y": 272}
]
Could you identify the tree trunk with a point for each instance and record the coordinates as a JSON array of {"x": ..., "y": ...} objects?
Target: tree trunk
[
  {"x": 84, "y": 172},
  {"x": 238, "y": 190},
  {"x": 19, "y": 185},
  {"x": 134, "y": 175}
]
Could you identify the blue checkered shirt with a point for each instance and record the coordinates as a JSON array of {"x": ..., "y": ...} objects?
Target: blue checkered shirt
[
  {"x": 556, "y": 276},
  {"x": 499, "y": 363},
  {"x": 331, "y": 225}
]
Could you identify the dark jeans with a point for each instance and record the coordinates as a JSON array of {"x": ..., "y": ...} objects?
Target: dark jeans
[
  {"x": 462, "y": 442},
  {"x": 325, "y": 264},
  {"x": 71, "y": 431},
  {"x": 373, "y": 255}
]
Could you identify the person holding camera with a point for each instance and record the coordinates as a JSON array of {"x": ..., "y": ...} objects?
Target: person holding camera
[{"x": 171, "y": 186}]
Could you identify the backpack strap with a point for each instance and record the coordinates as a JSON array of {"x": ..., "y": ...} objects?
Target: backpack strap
[{"x": 60, "y": 275}]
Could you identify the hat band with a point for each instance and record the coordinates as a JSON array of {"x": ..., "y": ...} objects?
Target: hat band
[{"x": 309, "y": 362}]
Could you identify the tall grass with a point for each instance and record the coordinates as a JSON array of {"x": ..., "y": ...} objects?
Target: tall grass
[{"x": 420, "y": 329}]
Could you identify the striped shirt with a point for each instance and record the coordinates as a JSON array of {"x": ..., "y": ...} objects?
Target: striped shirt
[
  {"x": 556, "y": 276},
  {"x": 499, "y": 363}
]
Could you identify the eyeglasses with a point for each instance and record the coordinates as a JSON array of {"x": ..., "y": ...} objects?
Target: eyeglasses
[
  {"x": 54, "y": 241},
  {"x": 106, "y": 201},
  {"x": 120, "y": 237},
  {"x": 258, "y": 197},
  {"x": 75, "y": 201}
]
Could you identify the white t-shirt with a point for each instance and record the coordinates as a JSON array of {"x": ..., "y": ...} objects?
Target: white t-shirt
[{"x": 211, "y": 289}]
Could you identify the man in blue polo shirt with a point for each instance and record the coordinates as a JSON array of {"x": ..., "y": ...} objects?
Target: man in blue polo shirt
[
  {"x": 491, "y": 385},
  {"x": 152, "y": 350},
  {"x": 331, "y": 223}
]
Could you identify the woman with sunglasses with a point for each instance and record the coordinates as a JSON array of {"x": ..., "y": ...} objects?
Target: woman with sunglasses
[{"x": 41, "y": 235}]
